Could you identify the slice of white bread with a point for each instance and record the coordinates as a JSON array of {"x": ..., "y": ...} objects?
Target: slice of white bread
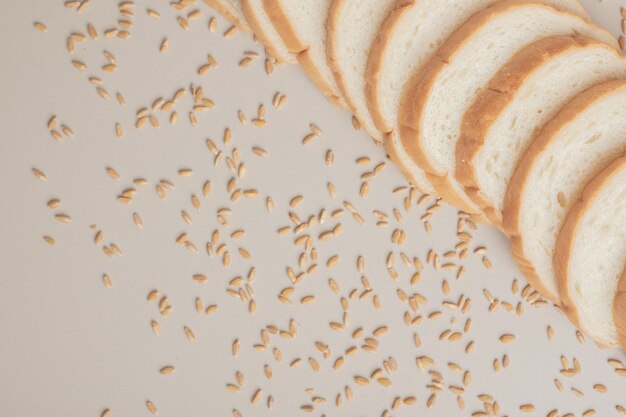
[
  {"x": 430, "y": 116},
  {"x": 260, "y": 23},
  {"x": 352, "y": 28},
  {"x": 576, "y": 144},
  {"x": 407, "y": 39},
  {"x": 591, "y": 254},
  {"x": 522, "y": 97},
  {"x": 231, "y": 10},
  {"x": 302, "y": 26},
  {"x": 619, "y": 311}
]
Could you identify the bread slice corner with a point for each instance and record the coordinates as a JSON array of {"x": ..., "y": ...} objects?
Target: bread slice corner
[
  {"x": 231, "y": 10},
  {"x": 307, "y": 43},
  {"x": 416, "y": 177},
  {"x": 261, "y": 25}
]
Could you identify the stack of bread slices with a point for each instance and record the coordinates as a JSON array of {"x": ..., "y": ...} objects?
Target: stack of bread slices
[{"x": 514, "y": 111}]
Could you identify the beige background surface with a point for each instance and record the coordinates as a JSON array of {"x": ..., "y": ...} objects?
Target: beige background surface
[{"x": 71, "y": 347}]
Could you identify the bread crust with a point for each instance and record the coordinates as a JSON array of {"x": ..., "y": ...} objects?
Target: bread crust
[
  {"x": 226, "y": 10},
  {"x": 307, "y": 63},
  {"x": 376, "y": 58},
  {"x": 565, "y": 243},
  {"x": 415, "y": 97},
  {"x": 278, "y": 16},
  {"x": 255, "y": 24},
  {"x": 619, "y": 311},
  {"x": 512, "y": 200},
  {"x": 334, "y": 16},
  {"x": 494, "y": 100}
]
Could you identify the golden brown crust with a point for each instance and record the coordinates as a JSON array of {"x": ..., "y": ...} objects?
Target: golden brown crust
[
  {"x": 296, "y": 46},
  {"x": 493, "y": 100},
  {"x": 416, "y": 94},
  {"x": 565, "y": 242},
  {"x": 513, "y": 197},
  {"x": 619, "y": 311},
  {"x": 376, "y": 58},
  {"x": 223, "y": 8},
  {"x": 258, "y": 29}
]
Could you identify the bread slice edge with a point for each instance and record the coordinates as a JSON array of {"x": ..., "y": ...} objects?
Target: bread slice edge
[
  {"x": 224, "y": 8},
  {"x": 565, "y": 242},
  {"x": 285, "y": 28},
  {"x": 257, "y": 27}
]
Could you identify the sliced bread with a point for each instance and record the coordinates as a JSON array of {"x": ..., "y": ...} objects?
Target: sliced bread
[
  {"x": 231, "y": 10},
  {"x": 411, "y": 33},
  {"x": 430, "y": 116},
  {"x": 407, "y": 39},
  {"x": 576, "y": 144},
  {"x": 409, "y": 36},
  {"x": 352, "y": 28},
  {"x": 302, "y": 26},
  {"x": 619, "y": 311},
  {"x": 260, "y": 23},
  {"x": 523, "y": 96},
  {"x": 591, "y": 254}
]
